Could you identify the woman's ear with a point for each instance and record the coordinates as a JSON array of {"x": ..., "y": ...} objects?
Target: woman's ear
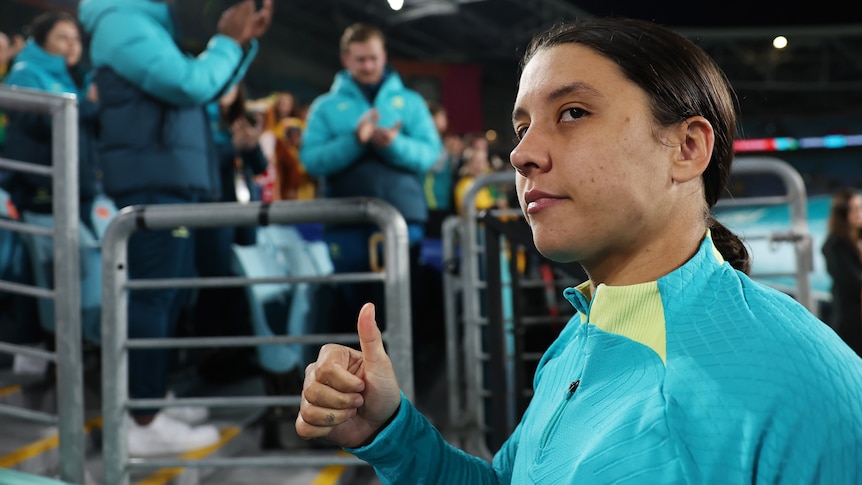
[{"x": 695, "y": 151}]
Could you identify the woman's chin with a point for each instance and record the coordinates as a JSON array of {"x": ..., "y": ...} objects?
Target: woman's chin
[{"x": 555, "y": 253}]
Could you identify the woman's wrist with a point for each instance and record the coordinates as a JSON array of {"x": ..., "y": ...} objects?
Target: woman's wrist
[{"x": 373, "y": 435}]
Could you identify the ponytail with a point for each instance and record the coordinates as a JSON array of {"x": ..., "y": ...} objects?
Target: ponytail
[{"x": 729, "y": 245}]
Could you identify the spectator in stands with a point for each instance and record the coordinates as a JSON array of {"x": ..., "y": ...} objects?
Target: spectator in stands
[
  {"x": 9, "y": 48},
  {"x": 474, "y": 141},
  {"x": 440, "y": 178},
  {"x": 842, "y": 251},
  {"x": 282, "y": 106},
  {"x": 286, "y": 177},
  {"x": 677, "y": 367},
  {"x": 51, "y": 61},
  {"x": 475, "y": 164},
  {"x": 155, "y": 151},
  {"x": 223, "y": 311},
  {"x": 292, "y": 181},
  {"x": 370, "y": 136}
]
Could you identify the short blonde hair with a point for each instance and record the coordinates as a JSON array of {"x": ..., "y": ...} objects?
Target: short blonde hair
[{"x": 359, "y": 32}]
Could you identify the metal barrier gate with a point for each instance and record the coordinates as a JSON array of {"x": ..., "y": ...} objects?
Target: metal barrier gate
[
  {"x": 486, "y": 354},
  {"x": 115, "y": 341},
  {"x": 797, "y": 234},
  {"x": 66, "y": 294}
]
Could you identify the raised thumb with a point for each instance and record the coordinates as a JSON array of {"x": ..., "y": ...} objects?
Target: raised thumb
[{"x": 370, "y": 338}]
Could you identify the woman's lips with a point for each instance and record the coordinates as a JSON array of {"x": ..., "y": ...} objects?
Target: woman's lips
[{"x": 537, "y": 201}]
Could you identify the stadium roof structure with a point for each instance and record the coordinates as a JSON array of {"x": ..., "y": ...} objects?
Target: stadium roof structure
[{"x": 819, "y": 72}]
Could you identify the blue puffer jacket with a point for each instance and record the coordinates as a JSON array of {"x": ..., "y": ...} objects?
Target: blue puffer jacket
[
  {"x": 152, "y": 96},
  {"x": 393, "y": 174},
  {"x": 29, "y": 134}
]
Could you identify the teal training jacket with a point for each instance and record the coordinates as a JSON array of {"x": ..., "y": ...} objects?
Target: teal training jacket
[
  {"x": 393, "y": 174},
  {"x": 703, "y": 376}
]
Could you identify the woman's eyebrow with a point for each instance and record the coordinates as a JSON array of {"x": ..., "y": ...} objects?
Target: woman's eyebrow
[
  {"x": 562, "y": 91},
  {"x": 575, "y": 87}
]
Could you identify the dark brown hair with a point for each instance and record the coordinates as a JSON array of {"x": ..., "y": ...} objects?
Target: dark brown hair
[
  {"x": 839, "y": 212},
  {"x": 681, "y": 81},
  {"x": 44, "y": 23}
]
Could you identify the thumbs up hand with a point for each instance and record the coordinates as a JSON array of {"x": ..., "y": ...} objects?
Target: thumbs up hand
[{"x": 349, "y": 395}]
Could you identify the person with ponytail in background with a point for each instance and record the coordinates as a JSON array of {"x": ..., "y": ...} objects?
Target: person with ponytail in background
[{"x": 842, "y": 251}]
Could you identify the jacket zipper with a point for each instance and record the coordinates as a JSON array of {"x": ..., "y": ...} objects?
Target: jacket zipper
[{"x": 559, "y": 411}]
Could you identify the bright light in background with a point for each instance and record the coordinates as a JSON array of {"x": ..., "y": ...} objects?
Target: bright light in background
[
  {"x": 491, "y": 135},
  {"x": 396, "y": 4},
  {"x": 779, "y": 42}
]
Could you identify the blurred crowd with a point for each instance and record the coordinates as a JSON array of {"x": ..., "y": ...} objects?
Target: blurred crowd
[
  {"x": 158, "y": 125},
  {"x": 275, "y": 122}
]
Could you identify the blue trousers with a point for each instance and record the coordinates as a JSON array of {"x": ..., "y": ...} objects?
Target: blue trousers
[{"x": 154, "y": 313}]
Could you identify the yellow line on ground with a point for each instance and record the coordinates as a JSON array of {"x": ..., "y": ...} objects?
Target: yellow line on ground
[
  {"x": 38, "y": 447},
  {"x": 331, "y": 474},
  {"x": 29, "y": 451},
  {"x": 5, "y": 391},
  {"x": 165, "y": 475}
]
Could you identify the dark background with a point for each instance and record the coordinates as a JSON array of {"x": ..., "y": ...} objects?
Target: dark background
[{"x": 467, "y": 51}]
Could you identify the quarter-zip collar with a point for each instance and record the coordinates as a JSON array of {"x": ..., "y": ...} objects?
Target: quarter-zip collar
[{"x": 636, "y": 311}]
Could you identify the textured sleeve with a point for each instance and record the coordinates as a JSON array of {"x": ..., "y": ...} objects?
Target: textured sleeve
[
  {"x": 144, "y": 53},
  {"x": 325, "y": 149},
  {"x": 418, "y": 145},
  {"x": 428, "y": 459}
]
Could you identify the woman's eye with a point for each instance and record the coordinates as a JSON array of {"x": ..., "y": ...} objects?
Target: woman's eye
[
  {"x": 572, "y": 114},
  {"x": 520, "y": 132}
]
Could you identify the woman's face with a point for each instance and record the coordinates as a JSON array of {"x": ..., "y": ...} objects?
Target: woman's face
[
  {"x": 854, "y": 211},
  {"x": 65, "y": 40},
  {"x": 284, "y": 104},
  {"x": 592, "y": 171}
]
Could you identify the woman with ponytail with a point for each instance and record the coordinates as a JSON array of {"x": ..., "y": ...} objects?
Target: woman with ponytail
[
  {"x": 676, "y": 367},
  {"x": 842, "y": 251}
]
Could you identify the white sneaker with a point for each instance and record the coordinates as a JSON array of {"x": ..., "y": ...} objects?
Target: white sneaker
[
  {"x": 188, "y": 414},
  {"x": 168, "y": 436}
]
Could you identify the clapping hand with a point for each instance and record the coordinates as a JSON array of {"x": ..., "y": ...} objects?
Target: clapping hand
[
  {"x": 383, "y": 137},
  {"x": 242, "y": 23},
  {"x": 367, "y": 125}
]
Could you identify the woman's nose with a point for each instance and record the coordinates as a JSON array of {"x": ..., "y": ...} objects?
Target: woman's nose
[{"x": 531, "y": 153}]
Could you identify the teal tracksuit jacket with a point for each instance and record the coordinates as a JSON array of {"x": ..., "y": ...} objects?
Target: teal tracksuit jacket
[
  {"x": 703, "y": 376},
  {"x": 393, "y": 174}
]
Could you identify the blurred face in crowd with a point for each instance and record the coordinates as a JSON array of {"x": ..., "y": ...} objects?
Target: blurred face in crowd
[
  {"x": 284, "y": 104},
  {"x": 64, "y": 40},
  {"x": 454, "y": 143},
  {"x": 441, "y": 121},
  {"x": 477, "y": 162},
  {"x": 854, "y": 211},
  {"x": 365, "y": 60},
  {"x": 4, "y": 48},
  {"x": 294, "y": 136}
]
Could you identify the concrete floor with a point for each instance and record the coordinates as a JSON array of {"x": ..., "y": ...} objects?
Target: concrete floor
[{"x": 32, "y": 448}]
